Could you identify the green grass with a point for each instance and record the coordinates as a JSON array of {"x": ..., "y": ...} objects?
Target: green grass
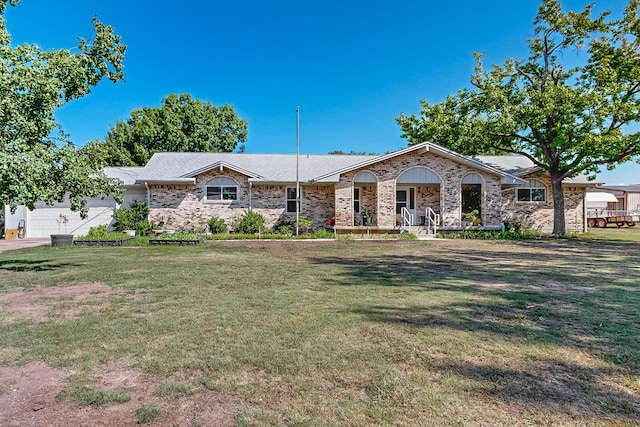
[
  {"x": 614, "y": 233},
  {"x": 148, "y": 413},
  {"x": 542, "y": 332}
]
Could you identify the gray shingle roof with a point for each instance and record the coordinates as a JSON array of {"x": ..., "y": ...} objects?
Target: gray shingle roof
[
  {"x": 281, "y": 168},
  {"x": 263, "y": 167},
  {"x": 635, "y": 188},
  {"x": 514, "y": 165},
  {"x": 127, "y": 175}
]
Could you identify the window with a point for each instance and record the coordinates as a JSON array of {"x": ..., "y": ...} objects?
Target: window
[
  {"x": 292, "y": 199},
  {"x": 356, "y": 200},
  {"x": 533, "y": 191},
  {"x": 221, "y": 189}
]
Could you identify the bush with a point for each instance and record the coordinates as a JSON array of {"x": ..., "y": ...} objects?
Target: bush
[
  {"x": 134, "y": 218},
  {"x": 323, "y": 233},
  {"x": 101, "y": 232},
  {"x": 249, "y": 223},
  {"x": 289, "y": 227},
  {"x": 493, "y": 235},
  {"x": 217, "y": 225},
  {"x": 284, "y": 227},
  {"x": 181, "y": 235}
]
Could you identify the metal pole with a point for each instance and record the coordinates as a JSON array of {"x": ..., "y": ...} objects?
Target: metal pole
[{"x": 297, "y": 169}]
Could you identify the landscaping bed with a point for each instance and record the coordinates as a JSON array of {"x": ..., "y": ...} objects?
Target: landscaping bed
[{"x": 105, "y": 242}]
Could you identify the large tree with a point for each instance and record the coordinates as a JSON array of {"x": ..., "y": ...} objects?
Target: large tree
[
  {"x": 180, "y": 124},
  {"x": 37, "y": 161},
  {"x": 567, "y": 106}
]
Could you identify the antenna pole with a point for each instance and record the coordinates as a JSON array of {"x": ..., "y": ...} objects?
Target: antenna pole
[{"x": 297, "y": 169}]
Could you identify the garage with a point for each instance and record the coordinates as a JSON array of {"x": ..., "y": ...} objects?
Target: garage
[{"x": 59, "y": 219}]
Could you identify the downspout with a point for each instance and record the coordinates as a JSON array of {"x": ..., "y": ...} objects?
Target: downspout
[
  {"x": 148, "y": 200},
  {"x": 250, "y": 203},
  {"x": 584, "y": 211}
]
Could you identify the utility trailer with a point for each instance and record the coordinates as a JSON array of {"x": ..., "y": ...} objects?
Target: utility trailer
[{"x": 603, "y": 217}]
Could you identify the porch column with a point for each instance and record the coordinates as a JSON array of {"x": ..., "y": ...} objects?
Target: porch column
[
  {"x": 343, "y": 203},
  {"x": 387, "y": 203}
]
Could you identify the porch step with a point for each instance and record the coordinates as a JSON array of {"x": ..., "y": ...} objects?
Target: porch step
[{"x": 422, "y": 232}]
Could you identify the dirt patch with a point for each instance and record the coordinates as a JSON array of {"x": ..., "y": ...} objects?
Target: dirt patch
[
  {"x": 28, "y": 398},
  {"x": 28, "y": 394},
  {"x": 36, "y": 303}
]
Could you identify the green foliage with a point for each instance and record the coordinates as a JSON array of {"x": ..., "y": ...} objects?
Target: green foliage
[
  {"x": 148, "y": 413},
  {"x": 567, "y": 118},
  {"x": 249, "y": 223},
  {"x": 284, "y": 227},
  {"x": 250, "y": 236},
  {"x": 473, "y": 217},
  {"x": 37, "y": 161},
  {"x": 90, "y": 396},
  {"x": 138, "y": 241},
  {"x": 181, "y": 235},
  {"x": 134, "y": 218},
  {"x": 323, "y": 233},
  {"x": 513, "y": 225},
  {"x": 304, "y": 224},
  {"x": 492, "y": 235},
  {"x": 101, "y": 232},
  {"x": 289, "y": 227},
  {"x": 180, "y": 124},
  {"x": 217, "y": 225}
]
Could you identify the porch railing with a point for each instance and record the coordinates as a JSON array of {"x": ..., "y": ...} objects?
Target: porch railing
[
  {"x": 407, "y": 217},
  {"x": 433, "y": 220}
]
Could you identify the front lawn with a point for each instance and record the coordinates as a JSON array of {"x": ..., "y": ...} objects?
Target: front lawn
[{"x": 433, "y": 333}]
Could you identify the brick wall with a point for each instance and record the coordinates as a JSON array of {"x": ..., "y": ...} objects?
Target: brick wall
[
  {"x": 445, "y": 197},
  {"x": 183, "y": 206},
  {"x": 539, "y": 215}
]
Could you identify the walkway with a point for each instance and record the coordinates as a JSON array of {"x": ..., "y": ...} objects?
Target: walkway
[{"x": 7, "y": 245}]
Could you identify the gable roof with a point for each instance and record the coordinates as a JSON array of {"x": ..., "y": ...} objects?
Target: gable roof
[
  {"x": 507, "y": 178},
  {"x": 182, "y": 168},
  {"x": 267, "y": 168}
]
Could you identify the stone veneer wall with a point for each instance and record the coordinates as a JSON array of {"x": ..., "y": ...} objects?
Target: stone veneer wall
[
  {"x": 450, "y": 174},
  {"x": 539, "y": 215},
  {"x": 183, "y": 207}
]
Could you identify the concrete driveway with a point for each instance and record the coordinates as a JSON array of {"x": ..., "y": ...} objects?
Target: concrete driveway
[{"x": 7, "y": 245}]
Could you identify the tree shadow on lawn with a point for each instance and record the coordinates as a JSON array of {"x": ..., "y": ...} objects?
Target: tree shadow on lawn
[
  {"x": 21, "y": 265},
  {"x": 552, "y": 293}
]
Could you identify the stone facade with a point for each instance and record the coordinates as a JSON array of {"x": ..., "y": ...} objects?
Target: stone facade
[
  {"x": 444, "y": 198},
  {"x": 184, "y": 206},
  {"x": 539, "y": 215}
]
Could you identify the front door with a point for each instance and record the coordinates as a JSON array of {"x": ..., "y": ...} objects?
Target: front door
[{"x": 406, "y": 198}]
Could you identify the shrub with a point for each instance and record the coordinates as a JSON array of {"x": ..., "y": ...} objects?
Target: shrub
[
  {"x": 289, "y": 227},
  {"x": 134, "y": 218},
  {"x": 249, "y": 223},
  {"x": 323, "y": 233},
  {"x": 102, "y": 233},
  {"x": 217, "y": 225},
  {"x": 181, "y": 235},
  {"x": 98, "y": 233},
  {"x": 284, "y": 227}
]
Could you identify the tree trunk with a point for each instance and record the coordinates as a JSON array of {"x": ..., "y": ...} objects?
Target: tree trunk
[{"x": 559, "y": 225}]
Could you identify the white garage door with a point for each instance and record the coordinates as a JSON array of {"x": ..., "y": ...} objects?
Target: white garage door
[{"x": 59, "y": 219}]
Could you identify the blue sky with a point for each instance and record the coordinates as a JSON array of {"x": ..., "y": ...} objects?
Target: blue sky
[{"x": 351, "y": 66}]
